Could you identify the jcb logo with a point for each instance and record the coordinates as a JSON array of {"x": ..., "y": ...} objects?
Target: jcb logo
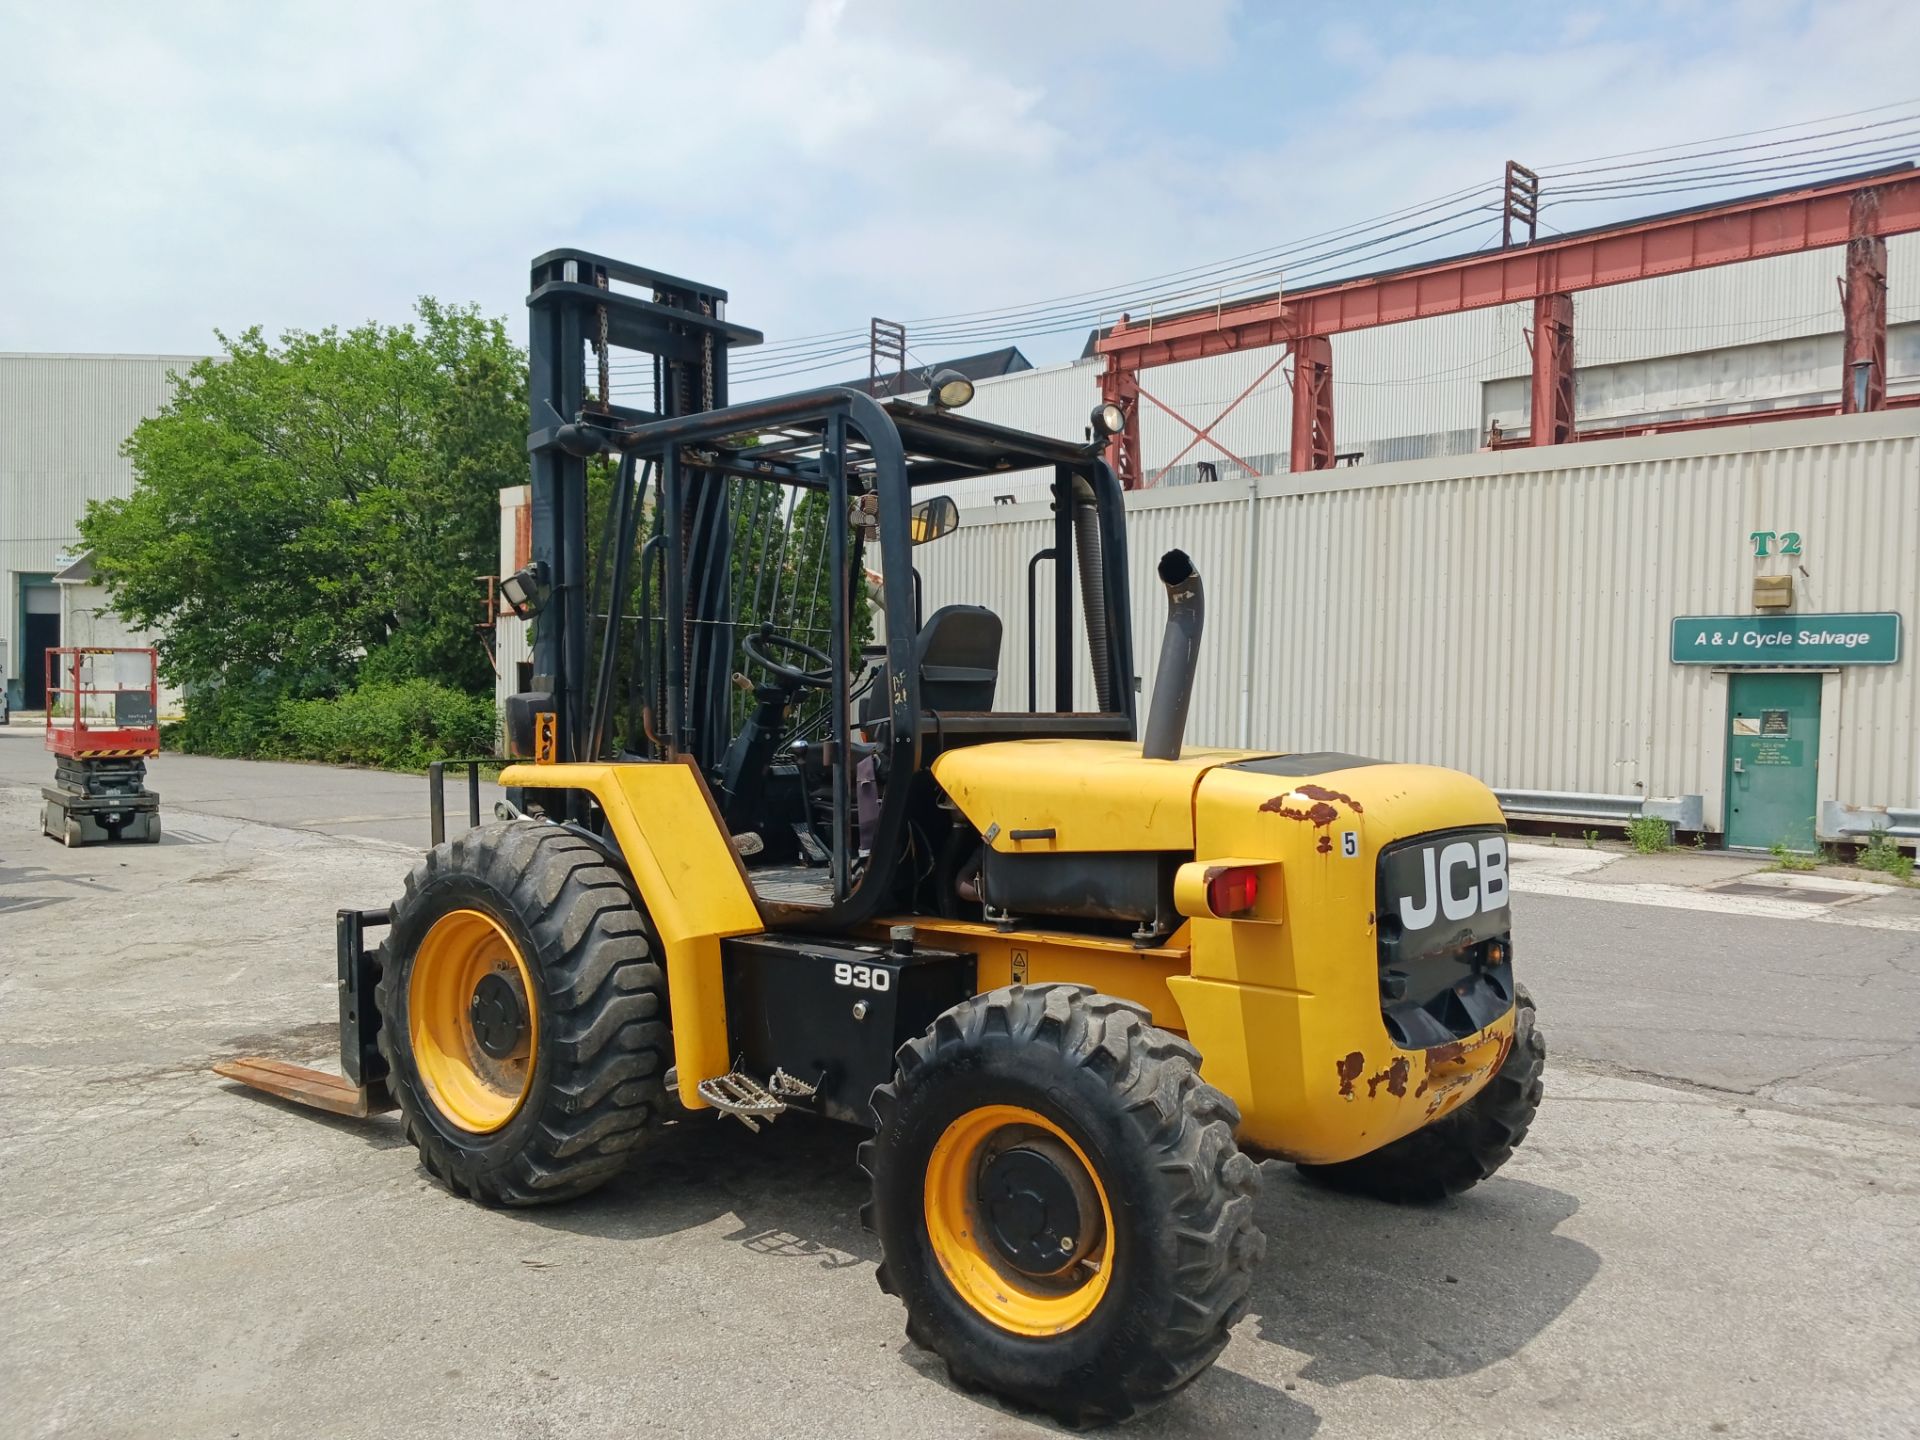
[{"x": 1453, "y": 880}]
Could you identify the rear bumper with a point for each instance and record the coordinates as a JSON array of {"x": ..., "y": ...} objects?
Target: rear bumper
[{"x": 1312, "y": 1085}]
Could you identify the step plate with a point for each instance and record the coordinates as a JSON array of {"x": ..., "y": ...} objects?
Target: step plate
[{"x": 742, "y": 1097}]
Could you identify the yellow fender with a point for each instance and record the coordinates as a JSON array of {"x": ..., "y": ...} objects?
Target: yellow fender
[{"x": 691, "y": 881}]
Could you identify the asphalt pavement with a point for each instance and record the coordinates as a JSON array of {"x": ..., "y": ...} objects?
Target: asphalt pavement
[
  {"x": 323, "y": 799},
  {"x": 1714, "y": 1228}
]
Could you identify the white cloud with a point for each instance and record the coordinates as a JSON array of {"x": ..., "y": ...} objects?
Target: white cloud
[{"x": 168, "y": 169}]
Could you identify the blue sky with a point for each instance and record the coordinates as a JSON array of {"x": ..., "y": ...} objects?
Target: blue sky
[{"x": 166, "y": 170}]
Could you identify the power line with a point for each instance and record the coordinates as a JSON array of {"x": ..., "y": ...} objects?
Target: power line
[
  {"x": 1716, "y": 185},
  {"x": 1234, "y": 288},
  {"x": 1746, "y": 170},
  {"x": 1338, "y": 232},
  {"x": 1564, "y": 165},
  {"x": 1778, "y": 150},
  {"x": 1564, "y": 170},
  {"x": 1790, "y": 156},
  {"x": 1115, "y": 298},
  {"x": 1322, "y": 264}
]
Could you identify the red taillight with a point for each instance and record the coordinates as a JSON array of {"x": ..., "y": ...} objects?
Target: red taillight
[{"x": 1233, "y": 891}]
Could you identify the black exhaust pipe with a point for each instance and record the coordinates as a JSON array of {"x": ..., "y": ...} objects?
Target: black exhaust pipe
[{"x": 1179, "y": 654}]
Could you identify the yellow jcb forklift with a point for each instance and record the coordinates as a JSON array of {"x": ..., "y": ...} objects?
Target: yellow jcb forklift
[{"x": 779, "y": 840}]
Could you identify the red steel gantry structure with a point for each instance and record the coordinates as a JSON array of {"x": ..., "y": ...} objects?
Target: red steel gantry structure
[{"x": 1859, "y": 212}]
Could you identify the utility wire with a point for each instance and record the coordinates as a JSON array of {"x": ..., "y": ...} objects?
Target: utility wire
[
  {"x": 1746, "y": 170},
  {"x": 1566, "y": 166},
  {"x": 1256, "y": 264},
  {"x": 1339, "y": 232},
  {"x": 1808, "y": 176},
  {"x": 1773, "y": 155},
  {"x": 1714, "y": 148},
  {"x": 1654, "y": 171},
  {"x": 1054, "y": 319}
]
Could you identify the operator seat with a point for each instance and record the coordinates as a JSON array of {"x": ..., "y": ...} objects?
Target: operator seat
[{"x": 958, "y": 656}]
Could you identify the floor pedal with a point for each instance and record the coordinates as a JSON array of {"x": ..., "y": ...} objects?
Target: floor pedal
[{"x": 742, "y": 1097}]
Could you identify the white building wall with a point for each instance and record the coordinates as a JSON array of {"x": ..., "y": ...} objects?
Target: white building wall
[
  {"x": 512, "y": 637},
  {"x": 63, "y": 420},
  {"x": 1508, "y": 613}
]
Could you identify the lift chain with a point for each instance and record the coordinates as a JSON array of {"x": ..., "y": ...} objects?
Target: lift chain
[
  {"x": 706, "y": 361},
  {"x": 600, "y": 344}
]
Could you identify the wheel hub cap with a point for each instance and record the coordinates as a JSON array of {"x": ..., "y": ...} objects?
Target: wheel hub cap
[
  {"x": 499, "y": 1015},
  {"x": 1035, "y": 1206}
]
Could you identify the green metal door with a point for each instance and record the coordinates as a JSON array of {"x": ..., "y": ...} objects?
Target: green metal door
[{"x": 1773, "y": 749}]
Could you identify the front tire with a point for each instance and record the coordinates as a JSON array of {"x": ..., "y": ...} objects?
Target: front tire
[
  {"x": 1060, "y": 1202},
  {"x": 1458, "y": 1151},
  {"x": 522, "y": 1016}
]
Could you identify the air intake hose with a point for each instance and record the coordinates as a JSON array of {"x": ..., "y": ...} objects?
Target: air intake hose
[{"x": 1179, "y": 655}]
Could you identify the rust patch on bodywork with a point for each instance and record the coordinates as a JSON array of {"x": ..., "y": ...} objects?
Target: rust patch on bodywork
[
  {"x": 1449, "y": 1057},
  {"x": 1443, "y": 1055},
  {"x": 1394, "y": 1077},
  {"x": 1321, "y": 814},
  {"x": 1349, "y": 1071},
  {"x": 1325, "y": 847},
  {"x": 1317, "y": 792},
  {"x": 1506, "y": 1049}
]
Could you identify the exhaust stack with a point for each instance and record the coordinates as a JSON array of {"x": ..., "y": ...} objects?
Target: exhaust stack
[{"x": 1179, "y": 654}]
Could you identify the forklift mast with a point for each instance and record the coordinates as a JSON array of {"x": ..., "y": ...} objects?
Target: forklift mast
[{"x": 573, "y": 308}]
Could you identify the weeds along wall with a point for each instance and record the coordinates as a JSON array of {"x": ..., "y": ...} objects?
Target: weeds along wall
[{"x": 1509, "y": 613}]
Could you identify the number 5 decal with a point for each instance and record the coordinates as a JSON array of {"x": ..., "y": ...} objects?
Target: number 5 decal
[{"x": 1349, "y": 843}]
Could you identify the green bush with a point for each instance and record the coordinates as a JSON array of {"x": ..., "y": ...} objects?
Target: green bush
[
  {"x": 1785, "y": 858},
  {"x": 401, "y": 725},
  {"x": 232, "y": 720},
  {"x": 1883, "y": 853},
  {"x": 1649, "y": 834}
]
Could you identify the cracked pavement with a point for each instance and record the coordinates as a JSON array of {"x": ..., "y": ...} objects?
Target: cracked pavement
[{"x": 1712, "y": 1230}]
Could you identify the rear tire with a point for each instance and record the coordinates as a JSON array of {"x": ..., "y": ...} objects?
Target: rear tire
[
  {"x": 1164, "y": 1201},
  {"x": 1457, "y": 1152},
  {"x": 544, "y": 908}
]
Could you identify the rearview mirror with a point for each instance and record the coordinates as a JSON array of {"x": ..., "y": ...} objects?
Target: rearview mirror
[{"x": 934, "y": 518}]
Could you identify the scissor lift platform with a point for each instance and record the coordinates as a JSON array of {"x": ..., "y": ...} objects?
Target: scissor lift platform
[{"x": 102, "y": 727}]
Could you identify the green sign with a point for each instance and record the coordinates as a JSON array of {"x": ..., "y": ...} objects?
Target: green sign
[
  {"x": 1762, "y": 539},
  {"x": 1870, "y": 639}
]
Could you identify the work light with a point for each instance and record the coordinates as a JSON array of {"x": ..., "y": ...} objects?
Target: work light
[
  {"x": 1108, "y": 419},
  {"x": 525, "y": 591},
  {"x": 951, "y": 389}
]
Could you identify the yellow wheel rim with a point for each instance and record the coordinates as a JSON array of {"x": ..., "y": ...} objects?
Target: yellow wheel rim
[
  {"x": 474, "y": 1059},
  {"x": 1008, "y": 1295}
]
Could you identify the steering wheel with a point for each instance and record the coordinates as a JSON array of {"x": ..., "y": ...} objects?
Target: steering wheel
[{"x": 819, "y": 678}]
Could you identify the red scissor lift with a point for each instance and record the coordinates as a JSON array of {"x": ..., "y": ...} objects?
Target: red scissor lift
[{"x": 102, "y": 724}]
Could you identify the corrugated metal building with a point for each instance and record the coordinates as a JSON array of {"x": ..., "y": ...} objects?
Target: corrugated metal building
[
  {"x": 1513, "y": 613},
  {"x": 512, "y": 636},
  {"x": 1730, "y": 340},
  {"x": 63, "y": 419}
]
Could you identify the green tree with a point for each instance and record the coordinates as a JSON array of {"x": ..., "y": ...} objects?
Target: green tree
[{"x": 313, "y": 513}]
